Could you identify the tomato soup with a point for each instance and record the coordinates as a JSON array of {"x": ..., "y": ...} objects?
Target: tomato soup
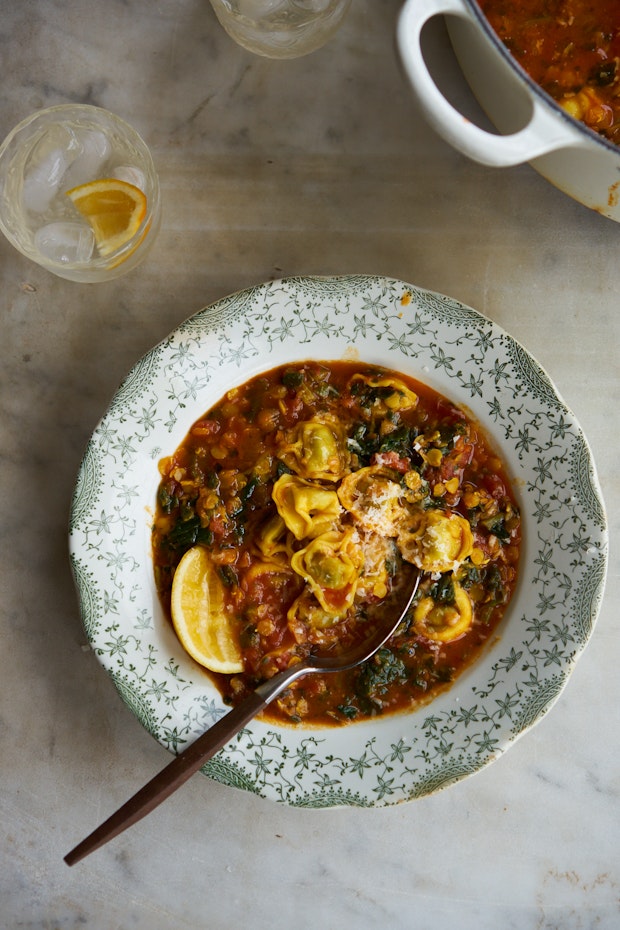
[
  {"x": 571, "y": 48},
  {"x": 307, "y": 487}
]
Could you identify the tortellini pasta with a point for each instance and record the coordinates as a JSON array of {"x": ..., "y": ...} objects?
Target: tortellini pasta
[
  {"x": 272, "y": 540},
  {"x": 436, "y": 541},
  {"x": 307, "y": 509},
  {"x": 393, "y": 393},
  {"x": 373, "y": 499},
  {"x": 316, "y": 449},
  {"x": 330, "y": 564},
  {"x": 444, "y": 622},
  {"x": 258, "y": 569},
  {"x": 309, "y": 622}
]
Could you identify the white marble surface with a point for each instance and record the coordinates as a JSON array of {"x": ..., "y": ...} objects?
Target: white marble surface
[{"x": 319, "y": 165}]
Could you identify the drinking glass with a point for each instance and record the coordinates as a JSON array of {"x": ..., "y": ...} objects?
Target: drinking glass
[
  {"x": 280, "y": 28},
  {"x": 57, "y": 150}
]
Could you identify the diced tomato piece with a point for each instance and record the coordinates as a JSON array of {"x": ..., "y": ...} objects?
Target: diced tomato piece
[
  {"x": 495, "y": 486},
  {"x": 205, "y": 428},
  {"x": 391, "y": 460},
  {"x": 217, "y": 525}
]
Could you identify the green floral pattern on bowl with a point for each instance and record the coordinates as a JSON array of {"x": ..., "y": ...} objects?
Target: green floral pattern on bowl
[{"x": 467, "y": 358}]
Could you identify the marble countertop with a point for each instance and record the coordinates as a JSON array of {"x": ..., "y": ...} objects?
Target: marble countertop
[{"x": 320, "y": 165}]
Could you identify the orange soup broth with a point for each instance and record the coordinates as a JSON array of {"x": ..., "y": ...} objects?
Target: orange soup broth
[
  {"x": 220, "y": 479},
  {"x": 571, "y": 48}
]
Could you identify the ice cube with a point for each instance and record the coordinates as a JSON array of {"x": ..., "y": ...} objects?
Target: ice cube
[
  {"x": 131, "y": 175},
  {"x": 65, "y": 242},
  {"x": 46, "y": 166},
  {"x": 94, "y": 151},
  {"x": 41, "y": 184}
]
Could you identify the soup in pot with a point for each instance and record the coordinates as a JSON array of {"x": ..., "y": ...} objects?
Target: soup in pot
[{"x": 571, "y": 48}]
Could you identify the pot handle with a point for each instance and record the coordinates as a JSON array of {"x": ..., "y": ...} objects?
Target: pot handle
[{"x": 544, "y": 132}]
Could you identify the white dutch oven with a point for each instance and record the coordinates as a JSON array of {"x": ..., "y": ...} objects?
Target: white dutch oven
[{"x": 533, "y": 128}]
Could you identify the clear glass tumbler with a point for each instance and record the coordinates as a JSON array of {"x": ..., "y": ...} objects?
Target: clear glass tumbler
[
  {"x": 281, "y": 28},
  {"x": 79, "y": 194}
]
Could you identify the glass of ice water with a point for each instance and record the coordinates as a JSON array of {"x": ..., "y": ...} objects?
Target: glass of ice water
[
  {"x": 71, "y": 176},
  {"x": 281, "y": 28}
]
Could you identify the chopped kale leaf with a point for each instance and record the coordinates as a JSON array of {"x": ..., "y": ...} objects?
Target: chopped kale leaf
[
  {"x": 497, "y": 526},
  {"x": 188, "y": 533},
  {"x": 249, "y": 637},
  {"x": 376, "y": 675},
  {"x": 282, "y": 469},
  {"x": 469, "y": 575},
  {"x": 399, "y": 440},
  {"x": 246, "y": 492},
  {"x": 292, "y": 379},
  {"x": 228, "y": 575},
  {"x": 166, "y": 497},
  {"x": 442, "y": 592}
]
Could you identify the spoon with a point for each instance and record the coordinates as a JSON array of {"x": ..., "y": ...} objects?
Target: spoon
[{"x": 385, "y": 617}]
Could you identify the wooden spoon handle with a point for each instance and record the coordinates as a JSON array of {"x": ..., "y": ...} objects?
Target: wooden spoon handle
[
  {"x": 171, "y": 777},
  {"x": 189, "y": 761}
]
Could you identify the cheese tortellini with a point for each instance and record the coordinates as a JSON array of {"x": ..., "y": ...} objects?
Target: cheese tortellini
[
  {"x": 309, "y": 622},
  {"x": 436, "y": 541},
  {"x": 307, "y": 509},
  {"x": 391, "y": 392},
  {"x": 331, "y": 564},
  {"x": 316, "y": 449},
  {"x": 272, "y": 541},
  {"x": 444, "y": 622},
  {"x": 373, "y": 498}
]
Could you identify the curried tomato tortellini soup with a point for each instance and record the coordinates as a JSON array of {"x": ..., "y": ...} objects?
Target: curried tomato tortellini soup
[
  {"x": 571, "y": 48},
  {"x": 305, "y": 489}
]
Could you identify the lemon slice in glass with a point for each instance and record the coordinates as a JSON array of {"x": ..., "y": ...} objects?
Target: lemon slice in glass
[
  {"x": 115, "y": 210},
  {"x": 199, "y": 617}
]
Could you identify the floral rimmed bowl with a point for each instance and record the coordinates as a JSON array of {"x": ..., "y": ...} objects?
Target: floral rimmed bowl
[{"x": 457, "y": 352}]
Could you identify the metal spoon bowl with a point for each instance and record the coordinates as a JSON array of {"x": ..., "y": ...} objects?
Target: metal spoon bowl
[{"x": 384, "y": 617}]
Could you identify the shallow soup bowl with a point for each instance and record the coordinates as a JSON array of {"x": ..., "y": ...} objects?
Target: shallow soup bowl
[{"x": 469, "y": 360}]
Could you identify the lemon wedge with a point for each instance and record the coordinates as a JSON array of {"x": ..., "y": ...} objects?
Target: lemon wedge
[
  {"x": 197, "y": 606},
  {"x": 115, "y": 210}
]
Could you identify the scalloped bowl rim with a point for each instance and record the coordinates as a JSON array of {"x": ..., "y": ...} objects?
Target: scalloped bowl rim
[{"x": 455, "y": 350}]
